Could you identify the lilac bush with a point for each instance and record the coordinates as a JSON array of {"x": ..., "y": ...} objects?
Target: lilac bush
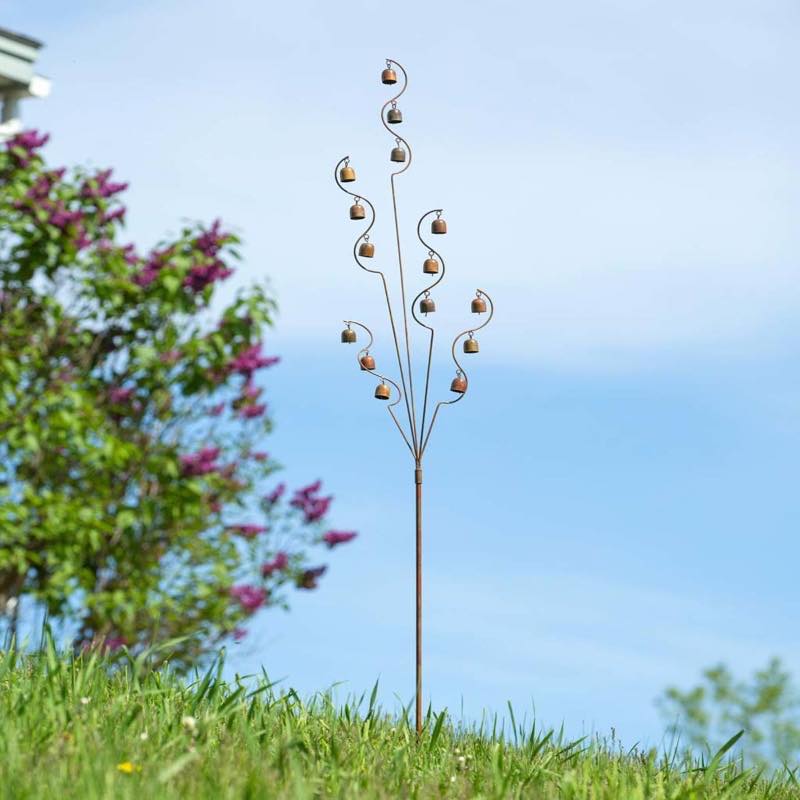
[{"x": 136, "y": 499}]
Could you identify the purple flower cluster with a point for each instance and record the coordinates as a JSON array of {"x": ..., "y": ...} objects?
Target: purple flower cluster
[
  {"x": 247, "y": 530},
  {"x": 202, "y": 462},
  {"x": 210, "y": 241},
  {"x": 202, "y": 275},
  {"x": 332, "y": 538},
  {"x": 275, "y": 494},
  {"x": 129, "y": 253},
  {"x": 253, "y": 411},
  {"x": 155, "y": 262},
  {"x": 101, "y": 186},
  {"x": 212, "y": 268},
  {"x": 118, "y": 395},
  {"x": 44, "y": 184},
  {"x": 251, "y": 359},
  {"x": 246, "y": 405},
  {"x": 110, "y": 216},
  {"x": 28, "y": 142},
  {"x": 314, "y": 508},
  {"x": 38, "y": 204},
  {"x": 278, "y": 564},
  {"x": 249, "y": 597}
]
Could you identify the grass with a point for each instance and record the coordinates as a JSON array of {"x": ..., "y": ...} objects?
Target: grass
[{"x": 74, "y": 727}]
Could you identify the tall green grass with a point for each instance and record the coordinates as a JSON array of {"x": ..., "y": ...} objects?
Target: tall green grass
[{"x": 76, "y": 727}]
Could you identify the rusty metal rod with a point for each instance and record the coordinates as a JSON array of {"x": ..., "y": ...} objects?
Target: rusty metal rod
[{"x": 418, "y": 482}]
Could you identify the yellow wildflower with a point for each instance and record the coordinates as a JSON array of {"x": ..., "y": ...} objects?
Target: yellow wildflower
[{"x": 128, "y": 767}]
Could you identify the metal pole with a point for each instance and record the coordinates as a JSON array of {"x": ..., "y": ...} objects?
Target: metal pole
[{"x": 418, "y": 482}]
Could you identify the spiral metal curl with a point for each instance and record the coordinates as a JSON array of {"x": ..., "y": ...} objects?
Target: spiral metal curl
[
  {"x": 416, "y": 444},
  {"x": 459, "y": 369},
  {"x": 412, "y": 413},
  {"x": 357, "y": 259},
  {"x": 383, "y": 378},
  {"x": 414, "y": 302},
  {"x": 385, "y": 124}
]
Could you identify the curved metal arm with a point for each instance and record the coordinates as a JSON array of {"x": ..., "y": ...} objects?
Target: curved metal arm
[
  {"x": 433, "y": 252},
  {"x": 412, "y": 411},
  {"x": 409, "y": 409},
  {"x": 365, "y": 234},
  {"x": 390, "y": 406},
  {"x": 459, "y": 369},
  {"x": 391, "y": 100}
]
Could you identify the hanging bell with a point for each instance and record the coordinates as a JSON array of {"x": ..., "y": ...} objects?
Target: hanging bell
[
  {"x": 382, "y": 392},
  {"x": 398, "y": 154},
  {"x": 438, "y": 226},
  {"x": 478, "y": 306},
  {"x": 347, "y": 174},
  {"x": 394, "y": 116},
  {"x": 388, "y": 76},
  {"x": 427, "y": 306},
  {"x": 459, "y": 384},
  {"x": 366, "y": 249},
  {"x": 431, "y": 266},
  {"x": 357, "y": 211},
  {"x": 348, "y": 336},
  {"x": 471, "y": 345},
  {"x": 367, "y": 362}
]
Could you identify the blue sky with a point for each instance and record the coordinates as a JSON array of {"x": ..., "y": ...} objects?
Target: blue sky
[{"x": 614, "y": 506}]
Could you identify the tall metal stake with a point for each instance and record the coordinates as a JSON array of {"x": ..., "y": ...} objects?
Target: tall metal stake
[{"x": 416, "y": 435}]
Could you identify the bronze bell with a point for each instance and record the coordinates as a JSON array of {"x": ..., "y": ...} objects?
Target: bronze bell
[
  {"x": 347, "y": 174},
  {"x": 398, "y": 154},
  {"x": 427, "y": 306},
  {"x": 366, "y": 249},
  {"x": 478, "y": 306},
  {"x": 459, "y": 384},
  {"x": 357, "y": 211},
  {"x": 382, "y": 392},
  {"x": 367, "y": 362},
  {"x": 470, "y": 345},
  {"x": 394, "y": 116},
  {"x": 431, "y": 266},
  {"x": 388, "y": 76},
  {"x": 348, "y": 336},
  {"x": 438, "y": 226}
]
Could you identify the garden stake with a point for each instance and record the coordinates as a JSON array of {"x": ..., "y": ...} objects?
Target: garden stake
[{"x": 415, "y": 436}]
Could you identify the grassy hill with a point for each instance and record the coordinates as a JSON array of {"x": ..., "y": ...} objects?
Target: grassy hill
[{"x": 73, "y": 727}]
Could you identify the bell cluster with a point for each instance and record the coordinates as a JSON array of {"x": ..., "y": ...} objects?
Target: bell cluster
[
  {"x": 427, "y": 306},
  {"x": 430, "y": 266}
]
